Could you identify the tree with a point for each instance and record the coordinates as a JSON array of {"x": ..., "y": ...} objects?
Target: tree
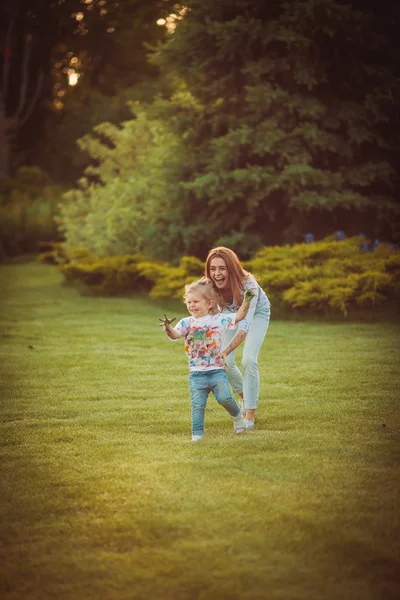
[
  {"x": 128, "y": 202},
  {"x": 21, "y": 77},
  {"x": 293, "y": 120},
  {"x": 111, "y": 62},
  {"x": 49, "y": 47},
  {"x": 280, "y": 119}
]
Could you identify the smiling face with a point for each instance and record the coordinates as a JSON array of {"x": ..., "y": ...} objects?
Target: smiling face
[
  {"x": 197, "y": 304},
  {"x": 219, "y": 272}
]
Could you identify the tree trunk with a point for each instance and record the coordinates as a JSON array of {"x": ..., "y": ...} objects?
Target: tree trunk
[{"x": 5, "y": 143}]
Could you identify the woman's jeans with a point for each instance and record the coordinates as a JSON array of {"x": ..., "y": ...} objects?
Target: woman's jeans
[
  {"x": 201, "y": 383},
  {"x": 248, "y": 384}
]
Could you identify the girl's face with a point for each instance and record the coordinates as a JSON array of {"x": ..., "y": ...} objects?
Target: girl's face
[
  {"x": 197, "y": 305},
  {"x": 219, "y": 272}
]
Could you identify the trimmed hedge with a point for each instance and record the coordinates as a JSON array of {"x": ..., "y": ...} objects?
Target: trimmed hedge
[
  {"x": 320, "y": 277},
  {"x": 328, "y": 275},
  {"x": 111, "y": 275}
]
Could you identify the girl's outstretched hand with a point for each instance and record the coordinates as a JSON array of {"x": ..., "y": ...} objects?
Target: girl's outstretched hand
[
  {"x": 165, "y": 321},
  {"x": 248, "y": 295}
]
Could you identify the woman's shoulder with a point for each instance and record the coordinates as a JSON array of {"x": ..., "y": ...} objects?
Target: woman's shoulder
[{"x": 249, "y": 280}]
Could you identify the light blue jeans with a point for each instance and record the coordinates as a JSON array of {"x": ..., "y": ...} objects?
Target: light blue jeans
[
  {"x": 201, "y": 383},
  {"x": 248, "y": 384}
]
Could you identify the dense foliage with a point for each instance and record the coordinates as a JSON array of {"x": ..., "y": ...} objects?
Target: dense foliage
[
  {"x": 291, "y": 122},
  {"x": 128, "y": 202},
  {"x": 280, "y": 120},
  {"x": 328, "y": 276}
]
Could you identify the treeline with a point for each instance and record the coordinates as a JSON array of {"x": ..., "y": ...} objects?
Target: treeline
[
  {"x": 279, "y": 120},
  {"x": 263, "y": 121}
]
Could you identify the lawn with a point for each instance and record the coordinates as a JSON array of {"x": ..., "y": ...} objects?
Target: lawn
[{"x": 104, "y": 496}]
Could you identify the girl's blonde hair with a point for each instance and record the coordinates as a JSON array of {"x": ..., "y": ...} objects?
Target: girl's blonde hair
[
  {"x": 237, "y": 274},
  {"x": 205, "y": 288}
]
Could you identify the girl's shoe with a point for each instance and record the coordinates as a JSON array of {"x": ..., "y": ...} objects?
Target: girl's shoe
[
  {"x": 197, "y": 438},
  {"x": 239, "y": 424},
  {"x": 250, "y": 424}
]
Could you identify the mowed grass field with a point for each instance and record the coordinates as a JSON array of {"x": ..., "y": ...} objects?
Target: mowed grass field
[{"x": 104, "y": 496}]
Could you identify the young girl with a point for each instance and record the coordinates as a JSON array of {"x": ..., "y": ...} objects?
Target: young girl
[
  {"x": 230, "y": 281},
  {"x": 203, "y": 332}
]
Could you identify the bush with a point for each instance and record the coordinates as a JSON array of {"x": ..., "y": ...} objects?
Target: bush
[
  {"x": 321, "y": 277},
  {"x": 113, "y": 275},
  {"x": 328, "y": 275},
  {"x": 55, "y": 253},
  {"x": 169, "y": 282}
]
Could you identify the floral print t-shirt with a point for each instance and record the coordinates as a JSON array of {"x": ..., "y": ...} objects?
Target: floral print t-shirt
[{"x": 204, "y": 338}]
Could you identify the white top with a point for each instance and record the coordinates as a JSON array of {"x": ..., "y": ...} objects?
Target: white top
[
  {"x": 204, "y": 338},
  {"x": 259, "y": 302}
]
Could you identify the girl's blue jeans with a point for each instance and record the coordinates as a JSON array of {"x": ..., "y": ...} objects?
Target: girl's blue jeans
[
  {"x": 201, "y": 383},
  {"x": 248, "y": 384}
]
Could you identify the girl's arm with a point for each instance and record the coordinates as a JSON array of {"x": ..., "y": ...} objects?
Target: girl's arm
[
  {"x": 171, "y": 333},
  {"x": 169, "y": 330}
]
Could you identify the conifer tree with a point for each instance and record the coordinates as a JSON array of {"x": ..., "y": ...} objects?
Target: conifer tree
[{"x": 292, "y": 114}]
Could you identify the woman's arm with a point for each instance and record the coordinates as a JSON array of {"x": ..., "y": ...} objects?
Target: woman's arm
[
  {"x": 244, "y": 309},
  {"x": 252, "y": 285},
  {"x": 240, "y": 334},
  {"x": 233, "y": 344}
]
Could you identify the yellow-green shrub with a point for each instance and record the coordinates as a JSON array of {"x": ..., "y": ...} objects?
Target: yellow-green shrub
[
  {"x": 169, "y": 281},
  {"x": 55, "y": 253},
  {"x": 325, "y": 276},
  {"x": 109, "y": 275},
  {"x": 329, "y": 275}
]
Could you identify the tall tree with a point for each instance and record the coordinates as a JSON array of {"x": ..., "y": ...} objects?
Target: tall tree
[
  {"x": 111, "y": 61},
  {"x": 55, "y": 52},
  {"x": 294, "y": 117},
  {"x": 21, "y": 76}
]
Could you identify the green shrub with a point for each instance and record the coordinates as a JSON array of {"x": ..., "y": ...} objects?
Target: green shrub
[
  {"x": 55, "y": 253},
  {"x": 321, "y": 277},
  {"x": 329, "y": 275},
  {"x": 169, "y": 282},
  {"x": 111, "y": 275}
]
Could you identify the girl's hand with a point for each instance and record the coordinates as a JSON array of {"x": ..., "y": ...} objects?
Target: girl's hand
[
  {"x": 248, "y": 295},
  {"x": 165, "y": 322}
]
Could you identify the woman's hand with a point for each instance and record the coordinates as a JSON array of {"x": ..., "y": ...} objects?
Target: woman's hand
[
  {"x": 224, "y": 360},
  {"x": 248, "y": 295}
]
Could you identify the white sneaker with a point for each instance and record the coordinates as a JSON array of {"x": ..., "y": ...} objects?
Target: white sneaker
[
  {"x": 197, "y": 438},
  {"x": 250, "y": 424},
  {"x": 239, "y": 424}
]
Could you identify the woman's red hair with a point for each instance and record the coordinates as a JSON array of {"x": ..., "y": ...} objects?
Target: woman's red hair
[{"x": 237, "y": 274}]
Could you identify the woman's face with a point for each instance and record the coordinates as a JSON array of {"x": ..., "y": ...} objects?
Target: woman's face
[{"x": 219, "y": 272}]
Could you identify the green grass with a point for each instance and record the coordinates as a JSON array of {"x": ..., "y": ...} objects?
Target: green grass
[{"x": 103, "y": 495}]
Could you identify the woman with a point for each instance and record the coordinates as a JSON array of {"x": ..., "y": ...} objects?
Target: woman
[{"x": 230, "y": 280}]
